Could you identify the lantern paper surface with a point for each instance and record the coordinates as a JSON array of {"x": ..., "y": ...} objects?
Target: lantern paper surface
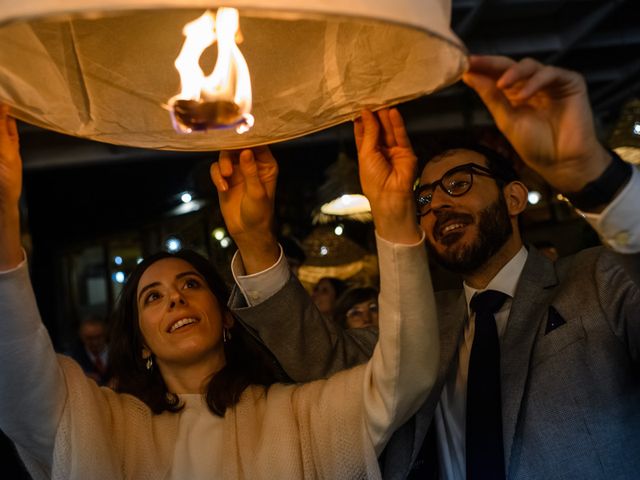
[{"x": 105, "y": 70}]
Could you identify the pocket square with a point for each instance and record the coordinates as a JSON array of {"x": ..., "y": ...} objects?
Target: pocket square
[{"x": 554, "y": 320}]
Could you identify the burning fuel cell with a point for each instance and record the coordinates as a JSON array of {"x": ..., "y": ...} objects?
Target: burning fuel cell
[{"x": 223, "y": 99}]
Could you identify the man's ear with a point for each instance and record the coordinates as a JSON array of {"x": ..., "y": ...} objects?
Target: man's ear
[
  {"x": 227, "y": 320},
  {"x": 516, "y": 195}
]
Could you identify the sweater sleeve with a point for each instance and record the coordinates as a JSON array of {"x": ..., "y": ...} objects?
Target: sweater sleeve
[
  {"x": 32, "y": 392},
  {"x": 404, "y": 365},
  {"x": 618, "y": 224}
]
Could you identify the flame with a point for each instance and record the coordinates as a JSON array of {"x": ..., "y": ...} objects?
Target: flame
[{"x": 222, "y": 99}]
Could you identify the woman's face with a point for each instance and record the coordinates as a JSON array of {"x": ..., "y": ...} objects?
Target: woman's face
[
  {"x": 179, "y": 316},
  {"x": 324, "y": 296},
  {"x": 363, "y": 314}
]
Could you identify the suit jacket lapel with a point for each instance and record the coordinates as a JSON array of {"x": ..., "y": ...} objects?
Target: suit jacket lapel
[{"x": 530, "y": 305}]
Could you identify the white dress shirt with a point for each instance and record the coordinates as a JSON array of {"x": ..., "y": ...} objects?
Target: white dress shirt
[{"x": 450, "y": 414}]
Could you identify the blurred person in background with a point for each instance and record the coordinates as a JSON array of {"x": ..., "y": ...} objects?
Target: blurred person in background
[
  {"x": 325, "y": 294},
  {"x": 357, "y": 308},
  {"x": 92, "y": 350}
]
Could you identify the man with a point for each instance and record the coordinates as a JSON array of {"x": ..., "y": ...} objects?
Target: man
[
  {"x": 92, "y": 352},
  {"x": 567, "y": 370}
]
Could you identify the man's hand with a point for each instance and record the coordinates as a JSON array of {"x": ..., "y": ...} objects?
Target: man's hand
[
  {"x": 387, "y": 167},
  {"x": 544, "y": 112},
  {"x": 246, "y": 184}
]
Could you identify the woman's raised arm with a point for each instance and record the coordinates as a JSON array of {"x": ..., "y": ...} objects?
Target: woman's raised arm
[{"x": 32, "y": 392}]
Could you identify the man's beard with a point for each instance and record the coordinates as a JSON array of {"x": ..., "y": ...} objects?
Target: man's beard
[{"x": 494, "y": 229}]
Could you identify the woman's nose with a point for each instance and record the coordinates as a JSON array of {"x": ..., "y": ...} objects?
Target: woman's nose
[{"x": 176, "y": 299}]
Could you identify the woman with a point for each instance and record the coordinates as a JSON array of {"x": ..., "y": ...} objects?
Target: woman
[
  {"x": 325, "y": 294},
  {"x": 357, "y": 308},
  {"x": 139, "y": 327},
  {"x": 185, "y": 406}
]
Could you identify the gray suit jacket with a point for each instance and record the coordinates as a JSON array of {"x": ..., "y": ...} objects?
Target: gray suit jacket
[{"x": 570, "y": 365}]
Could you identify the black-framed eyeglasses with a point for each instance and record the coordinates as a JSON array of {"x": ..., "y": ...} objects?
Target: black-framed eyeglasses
[{"x": 454, "y": 182}]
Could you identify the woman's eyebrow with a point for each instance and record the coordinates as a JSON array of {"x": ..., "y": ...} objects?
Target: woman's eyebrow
[
  {"x": 151, "y": 285},
  {"x": 190, "y": 272},
  {"x": 178, "y": 276}
]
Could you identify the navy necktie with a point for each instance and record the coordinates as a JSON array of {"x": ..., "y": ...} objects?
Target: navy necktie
[{"x": 484, "y": 447}]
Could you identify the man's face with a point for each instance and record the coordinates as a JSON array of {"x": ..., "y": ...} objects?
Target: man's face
[
  {"x": 94, "y": 337},
  {"x": 463, "y": 232},
  {"x": 324, "y": 296}
]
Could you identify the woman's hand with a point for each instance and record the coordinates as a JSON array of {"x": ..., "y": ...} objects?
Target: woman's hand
[
  {"x": 10, "y": 190},
  {"x": 10, "y": 162},
  {"x": 387, "y": 167}
]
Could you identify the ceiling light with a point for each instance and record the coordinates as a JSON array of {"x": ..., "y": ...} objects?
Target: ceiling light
[
  {"x": 625, "y": 137},
  {"x": 534, "y": 197},
  {"x": 104, "y": 70},
  {"x": 340, "y": 196},
  {"x": 189, "y": 207},
  {"x": 173, "y": 244},
  {"x": 118, "y": 277},
  {"x": 629, "y": 154},
  {"x": 346, "y": 205},
  {"x": 219, "y": 233}
]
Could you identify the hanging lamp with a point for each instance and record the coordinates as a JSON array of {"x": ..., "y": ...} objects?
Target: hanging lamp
[
  {"x": 625, "y": 138},
  {"x": 104, "y": 70},
  {"x": 340, "y": 196}
]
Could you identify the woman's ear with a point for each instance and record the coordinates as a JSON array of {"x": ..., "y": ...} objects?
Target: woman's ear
[{"x": 516, "y": 195}]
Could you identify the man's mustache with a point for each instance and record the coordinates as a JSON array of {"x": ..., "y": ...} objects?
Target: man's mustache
[{"x": 444, "y": 217}]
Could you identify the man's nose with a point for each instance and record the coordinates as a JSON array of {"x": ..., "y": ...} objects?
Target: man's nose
[{"x": 440, "y": 199}]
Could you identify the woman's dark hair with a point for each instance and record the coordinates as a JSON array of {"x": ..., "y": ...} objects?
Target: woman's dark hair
[
  {"x": 352, "y": 297},
  {"x": 246, "y": 363}
]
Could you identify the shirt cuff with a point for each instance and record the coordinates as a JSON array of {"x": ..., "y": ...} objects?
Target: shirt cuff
[
  {"x": 618, "y": 224},
  {"x": 258, "y": 287},
  {"x": 17, "y": 267},
  {"x": 387, "y": 243}
]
